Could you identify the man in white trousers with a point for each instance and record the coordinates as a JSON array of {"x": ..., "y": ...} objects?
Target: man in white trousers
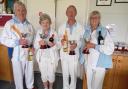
[
  {"x": 72, "y": 31},
  {"x": 18, "y": 34}
]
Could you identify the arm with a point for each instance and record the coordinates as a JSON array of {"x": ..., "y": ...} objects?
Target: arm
[
  {"x": 81, "y": 47},
  {"x": 36, "y": 41},
  {"x": 8, "y": 37},
  {"x": 108, "y": 47},
  {"x": 60, "y": 37},
  {"x": 31, "y": 34}
]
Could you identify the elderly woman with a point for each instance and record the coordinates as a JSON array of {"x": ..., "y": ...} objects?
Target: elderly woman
[
  {"x": 98, "y": 49},
  {"x": 46, "y": 51}
]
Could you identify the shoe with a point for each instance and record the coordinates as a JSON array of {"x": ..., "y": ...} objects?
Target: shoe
[{"x": 45, "y": 88}]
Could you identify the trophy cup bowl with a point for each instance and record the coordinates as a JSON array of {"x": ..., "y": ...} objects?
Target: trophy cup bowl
[
  {"x": 43, "y": 46},
  {"x": 71, "y": 42},
  {"x": 24, "y": 35},
  {"x": 85, "y": 50}
]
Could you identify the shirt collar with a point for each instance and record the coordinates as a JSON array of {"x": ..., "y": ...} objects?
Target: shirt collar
[
  {"x": 68, "y": 26},
  {"x": 16, "y": 20}
]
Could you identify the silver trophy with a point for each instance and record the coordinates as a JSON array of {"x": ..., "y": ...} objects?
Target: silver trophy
[
  {"x": 24, "y": 35},
  {"x": 72, "y": 42},
  {"x": 44, "y": 37}
]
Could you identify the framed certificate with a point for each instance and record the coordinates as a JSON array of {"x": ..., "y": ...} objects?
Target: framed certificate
[
  {"x": 103, "y": 2},
  {"x": 121, "y": 1}
]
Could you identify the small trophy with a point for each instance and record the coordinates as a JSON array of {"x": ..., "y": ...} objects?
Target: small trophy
[
  {"x": 72, "y": 52},
  {"x": 86, "y": 50},
  {"x": 43, "y": 37},
  {"x": 24, "y": 35}
]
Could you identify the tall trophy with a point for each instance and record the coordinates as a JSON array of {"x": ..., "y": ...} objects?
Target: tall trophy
[
  {"x": 86, "y": 50},
  {"x": 65, "y": 40}
]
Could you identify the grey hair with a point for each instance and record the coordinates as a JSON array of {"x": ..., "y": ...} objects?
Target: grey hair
[
  {"x": 43, "y": 17},
  {"x": 18, "y": 3},
  {"x": 95, "y": 13},
  {"x": 72, "y": 6}
]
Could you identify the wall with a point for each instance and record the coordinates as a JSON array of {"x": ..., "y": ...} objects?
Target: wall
[
  {"x": 34, "y": 7},
  {"x": 62, "y": 5},
  {"x": 116, "y": 14}
]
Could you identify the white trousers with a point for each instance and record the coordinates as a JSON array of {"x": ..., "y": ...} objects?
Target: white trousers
[
  {"x": 21, "y": 69},
  {"x": 47, "y": 69},
  {"x": 69, "y": 67},
  {"x": 95, "y": 77}
]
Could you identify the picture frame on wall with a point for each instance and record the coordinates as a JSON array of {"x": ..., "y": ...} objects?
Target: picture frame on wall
[
  {"x": 103, "y": 2},
  {"x": 121, "y": 1}
]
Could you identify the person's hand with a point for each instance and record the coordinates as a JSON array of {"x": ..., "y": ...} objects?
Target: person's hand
[
  {"x": 73, "y": 46},
  {"x": 23, "y": 42},
  {"x": 90, "y": 45},
  {"x": 42, "y": 42},
  {"x": 51, "y": 44},
  {"x": 62, "y": 42}
]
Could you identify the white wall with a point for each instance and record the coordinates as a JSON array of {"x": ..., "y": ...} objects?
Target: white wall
[
  {"x": 81, "y": 6},
  {"x": 116, "y": 14},
  {"x": 35, "y": 6}
]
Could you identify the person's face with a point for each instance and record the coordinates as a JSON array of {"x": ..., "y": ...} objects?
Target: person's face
[
  {"x": 71, "y": 13},
  {"x": 20, "y": 12},
  {"x": 94, "y": 21},
  {"x": 45, "y": 24}
]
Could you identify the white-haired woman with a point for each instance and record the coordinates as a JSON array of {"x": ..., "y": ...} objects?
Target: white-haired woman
[
  {"x": 46, "y": 51},
  {"x": 98, "y": 50}
]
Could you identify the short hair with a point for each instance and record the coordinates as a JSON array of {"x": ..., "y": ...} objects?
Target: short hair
[
  {"x": 18, "y": 3},
  {"x": 43, "y": 17},
  {"x": 95, "y": 13},
  {"x": 72, "y": 6}
]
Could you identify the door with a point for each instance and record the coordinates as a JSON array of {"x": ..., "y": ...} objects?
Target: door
[
  {"x": 5, "y": 65},
  {"x": 109, "y": 76},
  {"x": 122, "y": 72}
]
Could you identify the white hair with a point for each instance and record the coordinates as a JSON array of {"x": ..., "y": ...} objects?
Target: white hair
[{"x": 18, "y": 3}]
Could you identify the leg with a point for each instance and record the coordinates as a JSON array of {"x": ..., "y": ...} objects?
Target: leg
[
  {"x": 65, "y": 71},
  {"x": 18, "y": 74},
  {"x": 43, "y": 69},
  {"x": 98, "y": 78},
  {"x": 45, "y": 85},
  {"x": 51, "y": 74},
  {"x": 50, "y": 85},
  {"x": 73, "y": 72},
  {"x": 29, "y": 74},
  {"x": 89, "y": 74}
]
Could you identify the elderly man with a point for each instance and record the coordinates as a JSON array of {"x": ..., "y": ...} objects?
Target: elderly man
[
  {"x": 70, "y": 34},
  {"x": 18, "y": 35}
]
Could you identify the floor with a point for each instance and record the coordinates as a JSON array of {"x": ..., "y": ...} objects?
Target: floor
[{"x": 38, "y": 83}]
